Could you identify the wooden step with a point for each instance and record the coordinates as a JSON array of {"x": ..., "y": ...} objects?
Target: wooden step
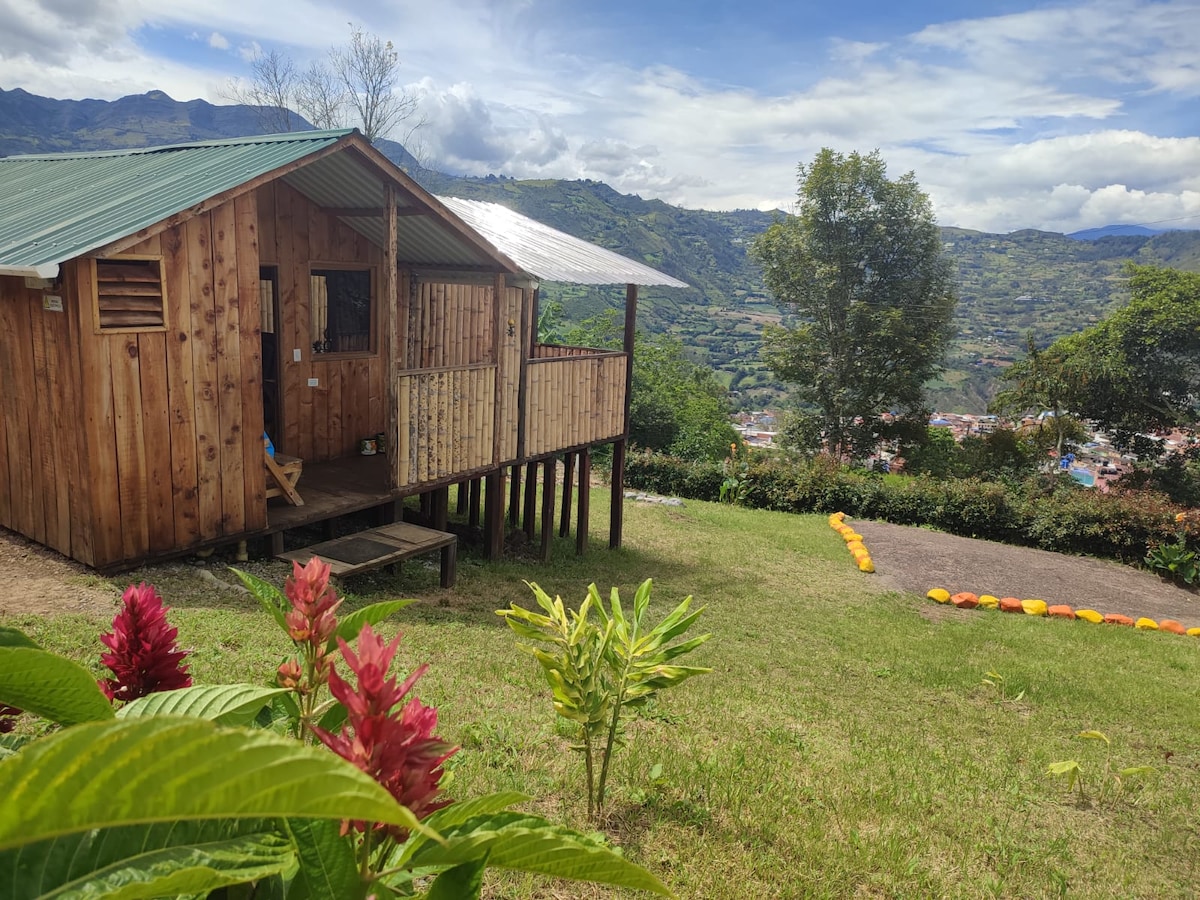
[{"x": 379, "y": 547}]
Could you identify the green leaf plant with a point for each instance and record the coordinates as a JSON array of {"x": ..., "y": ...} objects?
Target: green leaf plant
[
  {"x": 199, "y": 788},
  {"x": 602, "y": 673},
  {"x": 1107, "y": 782}
]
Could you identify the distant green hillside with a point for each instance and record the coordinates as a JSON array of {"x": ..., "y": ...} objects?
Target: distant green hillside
[{"x": 1008, "y": 284}]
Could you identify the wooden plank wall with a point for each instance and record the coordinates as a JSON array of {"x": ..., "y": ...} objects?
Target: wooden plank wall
[
  {"x": 172, "y": 419},
  {"x": 574, "y": 400},
  {"x": 44, "y": 492},
  {"x": 327, "y": 421}
]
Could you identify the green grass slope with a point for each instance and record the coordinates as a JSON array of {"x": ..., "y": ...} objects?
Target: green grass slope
[{"x": 844, "y": 744}]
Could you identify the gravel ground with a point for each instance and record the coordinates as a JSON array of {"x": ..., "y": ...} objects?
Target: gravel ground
[{"x": 916, "y": 559}]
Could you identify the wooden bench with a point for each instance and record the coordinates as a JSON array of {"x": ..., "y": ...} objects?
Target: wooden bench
[{"x": 379, "y": 547}]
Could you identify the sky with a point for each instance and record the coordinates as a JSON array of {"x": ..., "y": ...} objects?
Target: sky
[{"x": 1011, "y": 113}]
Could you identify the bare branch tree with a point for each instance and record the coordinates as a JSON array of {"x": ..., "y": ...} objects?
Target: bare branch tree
[
  {"x": 320, "y": 97},
  {"x": 270, "y": 90},
  {"x": 368, "y": 68},
  {"x": 359, "y": 83}
]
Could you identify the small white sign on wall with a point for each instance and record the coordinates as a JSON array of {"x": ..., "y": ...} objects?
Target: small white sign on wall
[
  {"x": 37, "y": 284},
  {"x": 52, "y": 303}
]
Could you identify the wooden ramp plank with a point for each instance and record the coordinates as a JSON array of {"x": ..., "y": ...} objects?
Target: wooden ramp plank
[{"x": 379, "y": 547}]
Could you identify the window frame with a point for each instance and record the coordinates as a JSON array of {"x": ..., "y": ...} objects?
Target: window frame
[{"x": 315, "y": 267}]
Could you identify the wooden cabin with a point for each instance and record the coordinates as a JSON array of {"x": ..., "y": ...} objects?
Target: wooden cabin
[{"x": 162, "y": 308}]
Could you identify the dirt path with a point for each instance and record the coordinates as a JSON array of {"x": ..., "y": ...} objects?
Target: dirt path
[
  {"x": 40, "y": 582},
  {"x": 916, "y": 559}
]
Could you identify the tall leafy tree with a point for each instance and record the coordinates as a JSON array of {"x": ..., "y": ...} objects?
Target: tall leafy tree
[
  {"x": 1044, "y": 381},
  {"x": 860, "y": 269},
  {"x": 1138, "y": 370}
]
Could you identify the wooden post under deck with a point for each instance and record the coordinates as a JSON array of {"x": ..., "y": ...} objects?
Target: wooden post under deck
[
  {"x": 439, "y": 507},
  {"x": 564, "y": 527},
  {"x": 549, "y": 483},
  {"x": 616, "y": 521},
  {"x": 473, "y": 504},
  {"x": 528, "y": 516},
  {"x": 514, "y": 499},
  {"x": 585, "y": 487},
  {"x": 493, "y": 529},
  {"x": 460, "y": 504}
]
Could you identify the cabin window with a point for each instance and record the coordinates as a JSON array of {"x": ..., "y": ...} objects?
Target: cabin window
[
  {"x": 129, "y": 294},
  {"x": 341, "y": 310}
]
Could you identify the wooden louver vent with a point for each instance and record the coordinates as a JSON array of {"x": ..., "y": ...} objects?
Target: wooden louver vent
[{"x": 129, "y": 293}]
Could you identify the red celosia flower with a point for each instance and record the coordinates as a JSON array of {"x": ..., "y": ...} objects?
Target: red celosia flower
[
  {"x": 396, "y": 747},
  {"x": 7, "y": 714},
  {"x": 144, "y": 657}
]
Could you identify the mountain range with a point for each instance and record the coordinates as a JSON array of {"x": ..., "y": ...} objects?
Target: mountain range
[{"x": 1009, "y": 284}]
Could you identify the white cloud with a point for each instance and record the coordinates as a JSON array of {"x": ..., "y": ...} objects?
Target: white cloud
[{"x": 1052, "y": 117}]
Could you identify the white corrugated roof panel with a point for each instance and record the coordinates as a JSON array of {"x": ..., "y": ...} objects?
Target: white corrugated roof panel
[{"x": 550, "y": 254}]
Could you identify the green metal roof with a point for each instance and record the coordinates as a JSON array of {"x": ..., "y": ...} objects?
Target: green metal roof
[{"x": 55, "y": 207}]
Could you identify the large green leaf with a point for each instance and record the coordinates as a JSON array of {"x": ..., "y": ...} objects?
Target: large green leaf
[
  {"x": 515, "y": 840},
  {"x": 146, "y": 861},
  {"x": 15, "y": 637},
  {"x": 463, "y": 882},
  {"x": 225, "y": 704},
  {"x": 453, "y": 815},
  {"x": 50, "y": 686},
  {"x": 271, "y": 598},
  {"x": 350, "y": 625},
  {"x": 328, "y": 869},
  {"x": 166, "y": 769}
]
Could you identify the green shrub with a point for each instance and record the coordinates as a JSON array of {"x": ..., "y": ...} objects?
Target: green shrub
[{"x": 1051, "y": 513}]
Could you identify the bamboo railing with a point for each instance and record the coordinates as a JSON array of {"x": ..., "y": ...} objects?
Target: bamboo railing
[
  {"x": 447, "y": 419},
  {"x": 572, "y": 399}
]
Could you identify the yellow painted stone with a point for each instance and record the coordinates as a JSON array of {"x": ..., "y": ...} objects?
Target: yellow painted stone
[
  {"x": 1194, "y": 632},
  {"x": 1034, "y": 607},
  {"x": 1089, "y": 615},
  {"x": 1146, "y": 624},
  {"x": 987, "y": 601},
  {"x": 865, "y": 565},
  {"x": 941, "y": 595}
]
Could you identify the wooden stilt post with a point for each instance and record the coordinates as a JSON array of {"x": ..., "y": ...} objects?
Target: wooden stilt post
[
  {"x": 514, "y": 498},
  {"x": 473, "y": 504},
  {"x": 585, "y": 488},
  {"x": 460, "y": 505},
  {"x": 549, "y": 483},
  {"x": 439, "y": 510},
  {"x": 493, "y": 529},
  {"x": 564, "y": 527},
  {"x": 530, "y": 513},
  {"x": 616, "y": 520}
]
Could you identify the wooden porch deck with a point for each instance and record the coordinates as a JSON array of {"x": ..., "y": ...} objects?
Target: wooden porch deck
[{"x": 333, "y": 488}]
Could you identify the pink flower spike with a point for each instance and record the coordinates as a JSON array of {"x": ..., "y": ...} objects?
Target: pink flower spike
[
  {"x": 143, "y": 657},
  {"x": 395, "y": 746}
]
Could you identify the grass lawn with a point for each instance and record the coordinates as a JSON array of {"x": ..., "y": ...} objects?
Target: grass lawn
[{"x": 844, "y": 746}]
